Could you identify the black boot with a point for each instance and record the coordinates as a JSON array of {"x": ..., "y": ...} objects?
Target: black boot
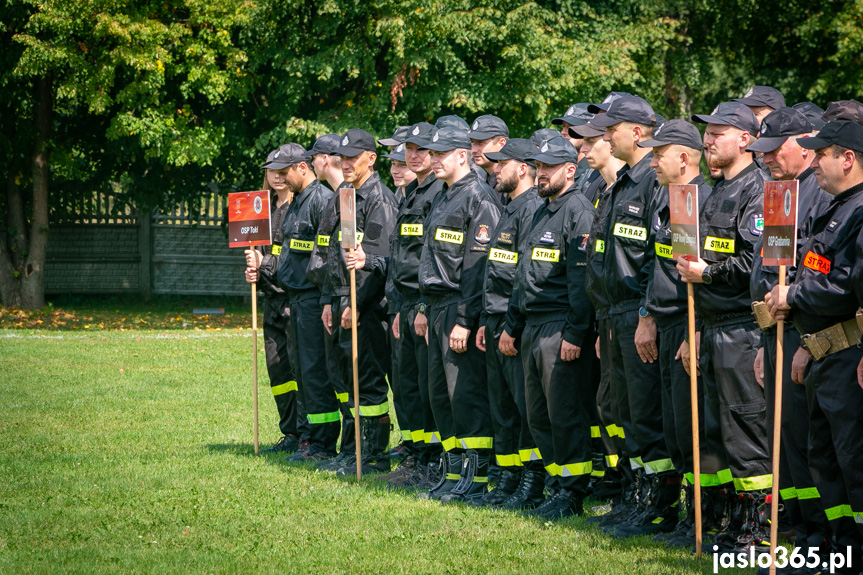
[
  {"x": 661, "y": 509},
  {"x": 474, "y": 478},
  {"x": 451, "y": 464},
  {"x": 347, "y": 450},
  {"x": 755, "y": 530},
  {"x": 375, "y": 436},
  {"x": 564, "y": 503},
  {"x": 688, "y": 521},
  {"x": 510, "y": 478},
  {"x": 714, "y": 517},
  {"x": 607, "y": 486},
  {"x": 528, "y": 494},
  {"x": 623, "y": 506}
]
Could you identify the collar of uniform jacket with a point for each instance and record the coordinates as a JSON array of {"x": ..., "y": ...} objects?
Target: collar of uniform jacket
[
  {"x": 555, "y": 204},
  {"x": 513, "y": 205},
  {"x": 852, "y": 191},
  {"x": 364, "y": 190},
  {"x": 307, "y": 192},
  {"x": 467, "y": 180},
  {"x": 637, "y": 172},
  {"x": 743, "y": 172}
]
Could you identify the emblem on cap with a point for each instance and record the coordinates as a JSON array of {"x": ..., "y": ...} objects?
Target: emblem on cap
[
  {"x": 476, "y": 125},
  {"x": 276, "y": 155},
  {"x": 609, "y": 99},
  {"x": 544, "y": 147},
  {"x": 763, "y": 128},
  {"x": 571, "y": 111},
  {"x": 345, "y": 141},
  {"x": 400, "y": 147},
  {"x": 435, "y": 138},
  {"x": 750, "y": 92},
  {"x": 416, "y": 130},
  {"x": 659, "y": 129},
  {"x": 716, "y": 109}
]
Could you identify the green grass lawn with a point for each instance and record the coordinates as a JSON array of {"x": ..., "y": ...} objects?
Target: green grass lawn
[{"x": 131, "y": 451}]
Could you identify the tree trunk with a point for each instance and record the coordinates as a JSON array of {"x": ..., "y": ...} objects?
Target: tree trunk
[
  {"x": 33, "y": 274},
  {"x": 10, "y": 286}
]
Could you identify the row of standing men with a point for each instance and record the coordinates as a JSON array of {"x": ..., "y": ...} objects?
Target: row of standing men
[{"x": 522, "y": 298}]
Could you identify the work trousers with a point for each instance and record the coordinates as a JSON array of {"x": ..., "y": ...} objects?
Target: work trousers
[
  {"x": 736, "y": 402},
  {"x": 796, "y": 486},
  {"x": 558, "y": 399},
  {"x": 611, "y": 431},
  {"x": 373, "y": 357},
  {"x": 642, "y": 389},
  {"x": 836, "y": 443},
  {"x": 513, "y": 443},
  {"x": 278, "y": 336},
  {"x": 457, "y": 383},
  {"x": 413, "y": 380},
  {"x": 309, "y": 354}
]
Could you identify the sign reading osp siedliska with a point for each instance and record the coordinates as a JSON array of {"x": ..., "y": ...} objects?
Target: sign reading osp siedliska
[
  {"x": 249, "y": 219},
  {"x": 683, "y": 216}
]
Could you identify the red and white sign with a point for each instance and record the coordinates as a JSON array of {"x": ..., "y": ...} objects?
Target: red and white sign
[
  {"x": 249, "y": 219},
  {"x": 780, "y": 223},
  {"x": 683, "y": 216}
]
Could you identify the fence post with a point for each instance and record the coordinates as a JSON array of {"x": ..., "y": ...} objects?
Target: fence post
[{"x": 145, "y": 223}]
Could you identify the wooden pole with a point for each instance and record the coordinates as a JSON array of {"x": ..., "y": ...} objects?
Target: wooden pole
[
  {"x": 693, "y": 403},
  {"x": 255, "y": 359},
  {"x": 356, "y": 371},
  {"x": 777, "y": 436}
]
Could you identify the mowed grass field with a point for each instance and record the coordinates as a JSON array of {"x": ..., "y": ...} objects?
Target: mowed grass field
[{"x": 131, "y": 452}]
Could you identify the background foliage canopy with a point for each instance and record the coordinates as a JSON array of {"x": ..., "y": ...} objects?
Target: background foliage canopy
[{"x": 161, "y": 97}]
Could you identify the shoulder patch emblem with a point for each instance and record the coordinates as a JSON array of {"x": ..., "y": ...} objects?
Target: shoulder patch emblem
[
  {"x": 757, "y": 224},
  {"x": 505, "y": 238},
  {"x": 482, "y": 235},
  {"x": 583, "y": 246},
  {"x": 547, "y": 238},
  {"x": 832, "y": 225}
]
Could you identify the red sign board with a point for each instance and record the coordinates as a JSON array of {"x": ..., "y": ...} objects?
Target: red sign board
[
  {"x": 683, "y": 212},
  {"x": 780, "y": 223},
  {"x": 249, "y": 219}
]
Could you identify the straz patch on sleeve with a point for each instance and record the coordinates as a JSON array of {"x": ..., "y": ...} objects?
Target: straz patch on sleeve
[
  {"x": 664, "y": 251},
  {"x": 412, "y": 229},
  {"x": 301, "y": 245},
  {"x": 448, "y": 236},
  {"x": 631, "y": 232},
  {"x": 323, "y": 240},
  {"x": 277, "y": 250},
  {"x": 818, "y": 263},
  {"x": 720, "y": 245},
  {"x": 502, "y": 256},
  {"x": 545, "y": 255},
  {"x": 599, "y": 248}
]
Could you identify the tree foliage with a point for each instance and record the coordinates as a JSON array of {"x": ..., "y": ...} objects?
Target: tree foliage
[{"x": 160, "y": 98}]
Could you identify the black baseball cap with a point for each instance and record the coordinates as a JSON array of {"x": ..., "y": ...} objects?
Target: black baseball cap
[
  {"x": 447, "y": 139},
  {"x": 518, "y": 149},
  {"x": 326, "y": 144},
  {"x": 285, "y": 155},
  {"x": 488, "y": 126},
  {"x": 731, "y": 114},
  {"x": 626, "y": 109},
  {"x": 777, "y": 126},
  {"x": 844, "y": 111},
  {"x": 354, "y": 142},
  {"x": 844, "y": 133},
  {"x": 812, "y": 112},
  {"x": 577, "y": 115},
  {"x": 420, "y": 134},
  {"x": 678, "y": 132},
  {"x": 762, "y": 96},
  {"x": 603, "y": 106},
  {"x": 542, "y": 134},
  {"x": 589, "y": 130},
  {"x": 398, "y": 137},
  {"x": 554, "y": 151},
  {"x": 452, "y": 122},
  {"x": 398, "y": 154}
]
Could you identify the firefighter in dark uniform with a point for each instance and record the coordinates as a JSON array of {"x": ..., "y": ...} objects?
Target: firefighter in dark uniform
[
  {"x": 577, "y": 115},
  {"x": 625, "y": 271},
  {"x": 676, "y": 160},
  {"x": 457, "y": 235},
  {"x": 261, "y": 267},
  {"x": 307, "y": 337},
  {"x": 821, "y": 301},
  {"x": 551, "y": 315},
  {"x": 788, "y": 161},
  {"x": 515, "y": 449},
  {"x": 730, "y": 225},
  {"x": 423, "y": 443},
  {"x": 375, "y": 217},
  {"x": 487, "y": 134},
  {"x": 328, "y": 168}
]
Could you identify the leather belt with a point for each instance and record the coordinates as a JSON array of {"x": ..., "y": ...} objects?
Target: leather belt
[{"x": 835, "y": 338}]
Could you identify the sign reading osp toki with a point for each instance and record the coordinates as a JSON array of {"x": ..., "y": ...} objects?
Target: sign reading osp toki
[{"x": 249, "y": 219}]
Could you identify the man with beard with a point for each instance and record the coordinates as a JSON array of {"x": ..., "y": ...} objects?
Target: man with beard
[
  {"x": 515, "y": 449},
  {"x": 730, "y": 225},
  {"x": 553, "y": 319}
]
